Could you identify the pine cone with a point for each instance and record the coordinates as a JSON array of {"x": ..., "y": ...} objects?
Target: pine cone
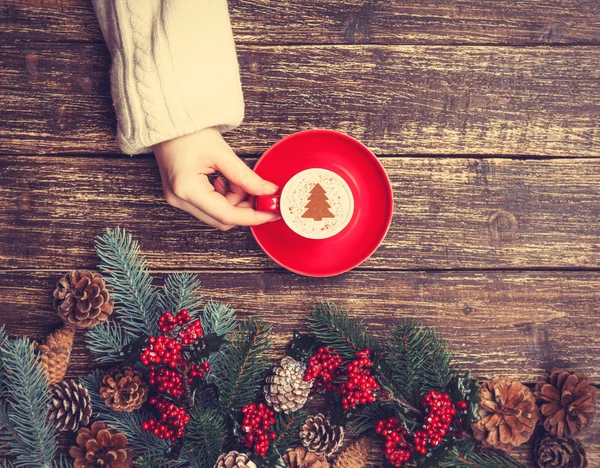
[
  {"x": 319, "y": 436},
  {"x": 286, "y": 389},
  {"x": 567, "y": 402},
  {"x": 355, "y": 455},
  {"x": 299, "y": 457},
  {"x": 234, "y": 459},
  {"x": 508, "y": 414},
  {"x": 557, "y": 452},
  {"x": 82, "y": 300},
  {"x": 123, "y": 389},
  {"x": 100, "y": 446},
  {"x": 70, "y": 406},
  {"x": 56, "y": 352}
]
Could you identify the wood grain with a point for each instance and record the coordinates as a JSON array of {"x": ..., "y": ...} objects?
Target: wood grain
[
  {"x": 515, "y": 324},
  {"x": 396, "y": 99},
  {"x": 449, "y": 213},
  {"x": 345, "y": 21}
]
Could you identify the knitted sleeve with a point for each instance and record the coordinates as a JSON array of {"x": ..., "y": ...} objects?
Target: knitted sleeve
[{"x": 174, "y": 69}]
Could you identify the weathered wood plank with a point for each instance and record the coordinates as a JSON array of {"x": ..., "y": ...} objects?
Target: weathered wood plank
[
  {"x": 449, "y": 213},
  {"x": 514, "y": 324},
  {"x": 345, "y": 21},
  {"x": 396, "y": 99}
]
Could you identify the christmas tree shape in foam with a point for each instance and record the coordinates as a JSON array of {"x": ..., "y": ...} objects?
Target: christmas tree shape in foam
[{"x": 317, "y": 207}]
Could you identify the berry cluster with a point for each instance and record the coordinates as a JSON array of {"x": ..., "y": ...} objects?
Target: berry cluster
[
  {"x": 198, "y": 371},
  {"x": 162, "y": 350},
  {"x": 171, "y": 373},
  {"x": 168, "y": 321},
  {"x": 191, "y": 333},
  {"x": 171, "y": 422},
  {"x": 323, "y": 366},
  {"x": 397, "y": 448},
  {"x": 167, "y": 381},
  {"x": 361, "y": 385},
  {"x": 257, "y": 423},
  {"x": 440, "y": 412}
]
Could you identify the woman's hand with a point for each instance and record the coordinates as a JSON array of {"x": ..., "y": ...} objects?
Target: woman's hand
[{"x": 184, "y": 164}]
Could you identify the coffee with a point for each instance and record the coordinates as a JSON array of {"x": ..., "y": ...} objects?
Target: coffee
[{"x": 317, "y": 203}]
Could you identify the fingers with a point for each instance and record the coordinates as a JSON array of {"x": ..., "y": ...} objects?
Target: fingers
[
  {"x": 200, "y": 193},
  {"x": 191, "y": 209},
  {"x": 237, "y": 172}
]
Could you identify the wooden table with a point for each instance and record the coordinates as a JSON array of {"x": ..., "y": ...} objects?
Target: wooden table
[{"x": 486, "y": 115}]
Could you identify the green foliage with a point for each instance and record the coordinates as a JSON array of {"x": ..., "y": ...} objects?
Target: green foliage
[
  {"x": 242, "y": 364},
  {"x": 287, "y": 428},
  {"x": 181, "y": 291},
  {"x": 24, "y": 429},
  {"x": 302, "y": 346},
  {"x": 334, "y": 328},
  {"x": 127, "y": 273},
  {"x": 466, "y": 388},
  {"x": 415, "y": 360},
  {"x": 365, "y": 419},
  {"x": 130, "y": 424},
  {"x": 218, "y": 319},
  {"x": 107, "y": 341},
  {"x": 468, "y": 454},
  {"x": 205, "y": 434}
]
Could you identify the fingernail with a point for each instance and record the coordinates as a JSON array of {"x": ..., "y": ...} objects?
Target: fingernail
[
  {"x": 277, "y": 218},
  {"x": 270, "y": 187}
]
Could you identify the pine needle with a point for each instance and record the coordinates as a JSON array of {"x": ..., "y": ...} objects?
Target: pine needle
[
  {"x": 335, "y": 329},
  {"x": 242, "y": 364},
  {"x": 287, "y": 427},
  {"x": 218, "y": 318},
  {"x": 206, "y": 432},
  {"x": 106, "y": 341},
  {"x": 415, "y": 361},
  {"x": 181, "y": 291},
  {"x": 30, "y": 437},
  {"x": 468, "y": 454},
  {"x": 127, "y": 273}
]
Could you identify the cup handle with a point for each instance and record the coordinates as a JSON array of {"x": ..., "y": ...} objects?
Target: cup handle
[{"x": 267, "y": 203}]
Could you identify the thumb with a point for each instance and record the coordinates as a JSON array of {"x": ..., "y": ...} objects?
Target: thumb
[{"x": 232, "y": 167}]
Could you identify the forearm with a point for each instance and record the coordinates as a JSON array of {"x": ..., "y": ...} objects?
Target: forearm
[{"x": 174, "y": 71}]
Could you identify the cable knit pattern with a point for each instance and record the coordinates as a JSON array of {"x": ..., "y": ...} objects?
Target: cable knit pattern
[{"x": 174, "y": 68}]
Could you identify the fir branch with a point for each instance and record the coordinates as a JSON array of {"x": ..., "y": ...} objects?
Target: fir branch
[
  {"x": 334, "y": 328},
  {"x": 24, "y": 412},
  {"x": 218, "y": 319},
  {"x": 287, "y": 427},
  {"x": 62, "y": 462},
  {"x": 366, "y": 418},
  {"x": 107, "y": 341},
  {"x": 181, "y": 291},
  {"x": 130, "y": 424},
  {"x": 415, "y": 361},
  {"x": 468, "y": 454},
  {"x": 127, "y": 273},
  {"x": 242, "y": 364},
  {"x": 205, "y": 434}
]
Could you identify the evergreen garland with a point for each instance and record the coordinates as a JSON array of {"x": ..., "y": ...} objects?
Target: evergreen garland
[
  {"x": 243, "y": 364},
  {"x": 334, "y": 328},
  {"x": 24, "y": 428},
  {"x": 467, "y": 454}
]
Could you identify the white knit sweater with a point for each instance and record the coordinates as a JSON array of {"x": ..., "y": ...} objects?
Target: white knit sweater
[{"x": 174, "y": 68}]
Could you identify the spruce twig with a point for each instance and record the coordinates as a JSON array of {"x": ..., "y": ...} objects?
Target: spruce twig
[
  {"x": 127, "y": 273},
  {"x": 468, "y": 454},
  {"x": 106, "y": 341},
  {"x": 415, "y": 360},
  {"x": 30, "y": 437},
  {"x": 181, "y": 291},
  {"x": 206, "y": 432},
  {"x": 334, "y": 328},
  {"x": 242, "y": 364},
  {"x": 287, "y": 427}
]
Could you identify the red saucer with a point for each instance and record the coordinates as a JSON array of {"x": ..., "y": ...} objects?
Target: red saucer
[{"x": 373, "y": 202}]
